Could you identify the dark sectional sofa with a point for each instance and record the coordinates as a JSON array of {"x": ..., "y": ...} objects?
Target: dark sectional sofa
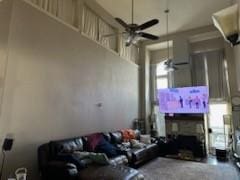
[
  {"x": 52, "y": 167},
  {"x": 135, "y": 156}
]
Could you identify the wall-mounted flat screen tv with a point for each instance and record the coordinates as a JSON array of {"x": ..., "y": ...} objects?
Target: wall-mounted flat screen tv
[{"x": 184, "y": 100}]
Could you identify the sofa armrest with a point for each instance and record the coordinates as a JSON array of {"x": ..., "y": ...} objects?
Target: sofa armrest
[
  {"x": 236, "y": 156},
  {"x": 62, "y": 169},
  {"x": 61, "y": 164}
]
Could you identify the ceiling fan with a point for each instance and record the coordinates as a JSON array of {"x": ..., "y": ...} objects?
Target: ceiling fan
[
  {"x": 134, "y": 31},
  {"x": 169, "y": 64}
]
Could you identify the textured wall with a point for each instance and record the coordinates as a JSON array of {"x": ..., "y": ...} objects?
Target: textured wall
[{"x": 55, "y": 79}]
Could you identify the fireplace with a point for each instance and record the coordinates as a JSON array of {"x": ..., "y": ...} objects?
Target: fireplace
[
  {"x": 188, "y": 125},
  {"x": 186, "y": 133}
]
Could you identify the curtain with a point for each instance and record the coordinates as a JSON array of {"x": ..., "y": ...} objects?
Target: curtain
[
  {"x": 125, "y": 52},
  {"x": 153, "y": 83},
  {"x": 52, "y": 7},
  {"x": 217, "y": 75},
  {"x": 208, "y": 69},
  {"x": 159, "y": 117},
  {"x": 90, "y": 24},
  {"x": 198, "y": 70},
  {"x": 65, "y": 10},
  {"x": 134, "y": 53},
  {"x": 109, "y": 41}
]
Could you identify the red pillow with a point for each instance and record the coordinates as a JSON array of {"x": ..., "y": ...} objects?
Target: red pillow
[{"x": 93, "y": 140}]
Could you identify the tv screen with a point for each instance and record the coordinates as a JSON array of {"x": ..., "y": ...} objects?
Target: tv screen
[{"x": 184, "y": 100}]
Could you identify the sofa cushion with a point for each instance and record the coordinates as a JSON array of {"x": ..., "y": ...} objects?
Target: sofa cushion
[
  {"x": 66, "y": 146},
  {"x": 107, "y": 136},
  {"x": 107, "y": 148},
  {"x": 137, "y": 134},
  {"x": 116, "y": 137},
  {"x": 71, "y": 158}
]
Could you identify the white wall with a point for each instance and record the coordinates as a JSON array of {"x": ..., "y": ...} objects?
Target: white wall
[
  {"x": 55, "y": 77},
  {"x": 5, "y": 15}
]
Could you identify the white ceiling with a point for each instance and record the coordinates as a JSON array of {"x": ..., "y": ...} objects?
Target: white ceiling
[{"x": 184, "y": 14}]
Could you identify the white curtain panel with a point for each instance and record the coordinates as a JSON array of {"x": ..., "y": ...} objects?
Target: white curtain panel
[
  {"x": 198, "y": 70},
  {"x": 125, "y": 52},
  {"x": 134, "y": 53},
  {"x": 153, "y": 83},
  {"x": 67, "y": 11},
  {"x": 107, "y": 41},
  {"x": 90, "y": 24},
  {"x": 216, "y": 75},
  {"x": 50, "y": 6}
]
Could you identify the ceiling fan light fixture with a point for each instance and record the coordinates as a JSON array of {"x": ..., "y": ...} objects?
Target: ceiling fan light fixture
[
  {"x": 169, "y": 69},
  {"x": 134, "y": 31}
]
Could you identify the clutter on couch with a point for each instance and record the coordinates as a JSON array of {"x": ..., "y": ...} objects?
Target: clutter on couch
[{"x": 75, "y": 157}]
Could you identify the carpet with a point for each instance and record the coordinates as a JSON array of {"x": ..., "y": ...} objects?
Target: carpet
[{"x": 171, "y": 169}]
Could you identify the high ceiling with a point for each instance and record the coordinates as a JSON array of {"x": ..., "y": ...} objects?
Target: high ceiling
[{"x": 184, "y": 14}]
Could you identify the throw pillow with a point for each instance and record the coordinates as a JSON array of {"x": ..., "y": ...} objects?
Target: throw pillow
[
  {"x": 128, "y": 134},
  {"x": 146, "y": 139},
  {"x": 93, "y": 140},
  {"x": 136, "y": 144},
  {"x": 99, "y": 158},
  {"x": 84, "y": 156}
]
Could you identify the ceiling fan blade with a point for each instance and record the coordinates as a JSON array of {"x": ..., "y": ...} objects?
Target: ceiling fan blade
[
  {"x": 181, "y": 63},
  {"x": 148, "y": 36},
  {"x": 120, "y": 21},
  {"x": 148, "y": 24}
]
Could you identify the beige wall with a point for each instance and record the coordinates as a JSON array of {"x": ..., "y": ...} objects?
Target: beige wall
[
  {"x": 207, "y": 45},
  {"x": 55, "y": 79},
  {"x": 5, "y": 15},
  {"x": 160, "y": 55}
]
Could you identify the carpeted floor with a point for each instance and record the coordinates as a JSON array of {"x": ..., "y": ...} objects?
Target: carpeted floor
[{"x": 171, "y": 169}]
